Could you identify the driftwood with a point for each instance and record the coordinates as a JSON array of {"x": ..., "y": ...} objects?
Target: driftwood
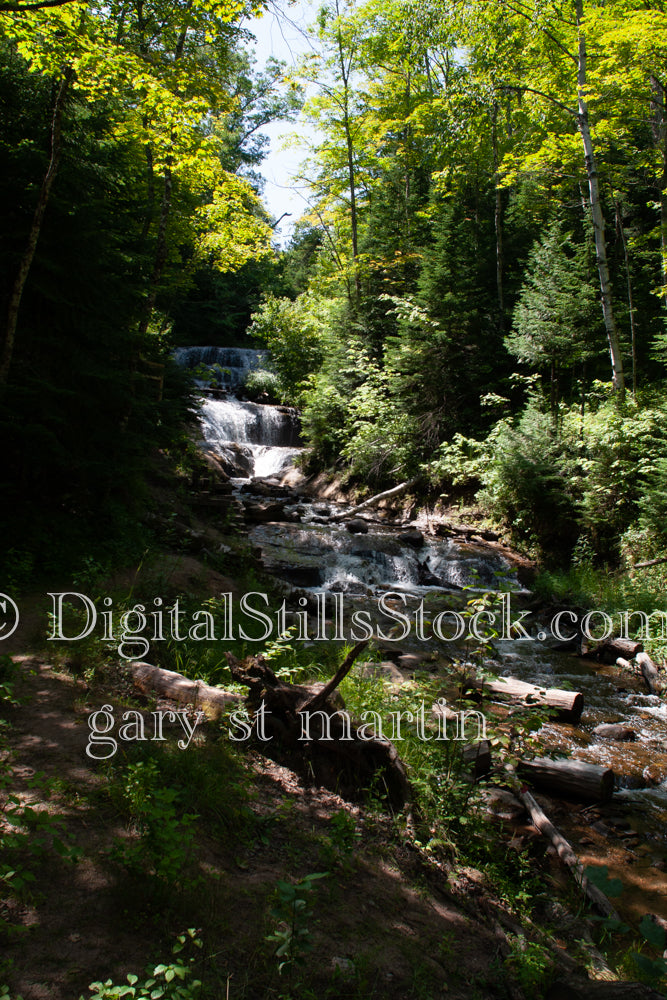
[
  {"x": 306, "y": 725},
  {"x": 573, "y": 778},
  {"x": 568, "y": 704},
  {"x": 650, "y": 562},
  {"x": 610, "y": 650},
  {"x": 155, "y": 680},
  {"x": 649, "y": 672},
  {"x": 376, "y": 499},
  {"x": 567, "y": 855},
  {"x": 623, "y": 663}
]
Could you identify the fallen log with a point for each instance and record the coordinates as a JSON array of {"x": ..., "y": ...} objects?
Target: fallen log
[
  {"x": 394, "y": 491},
  {"x": 649, "y": 672},
  {"x": 568, "y": 704},
  {"x": 574, "y": 778},
  {"x": 307, "y": 726},
  {"x": 155, "y": 680},
  {"x": 650, "y": 562},
  {"x": 609, "y": 650},
  {"x": 567, "y": 855},
  {"x": 478, "y": 756},
  {"x": 624, "y": 664}
]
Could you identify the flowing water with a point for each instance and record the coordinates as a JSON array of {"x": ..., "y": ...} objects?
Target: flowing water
[
  {"x": 309, "y": 550},
  {"x": 224, "y": 366}
]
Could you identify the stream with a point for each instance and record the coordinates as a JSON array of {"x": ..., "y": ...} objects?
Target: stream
[{"x": 302, "y": 546}]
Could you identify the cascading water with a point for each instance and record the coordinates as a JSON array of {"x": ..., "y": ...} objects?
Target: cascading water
[
  {"x": 226, "y": 366},
  {"x": 325, "y": 557},
  {"x": 256, "y": 440},
  {"x": 268, "y": 436}
]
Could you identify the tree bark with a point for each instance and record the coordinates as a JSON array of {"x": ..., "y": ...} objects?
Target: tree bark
[
  {"x": 649, "y": 672},
  {"x": 660, "y": 140},
  {"x": 304, "y": 725},
  {"x": 567, "y": 856},
  {"x": 567, "y": 777},
  {"x": 35, "y": 228},
  {"x": 394, "y": 491},
  {"x": 498, "y": 220},
  {"x": 155, "y": 680},
  {"x": 568, "y": 704},
  {"x": 618, "y": 376},
  {"x": 160, "y": 252},
  {"x": 631, "y": 307}
]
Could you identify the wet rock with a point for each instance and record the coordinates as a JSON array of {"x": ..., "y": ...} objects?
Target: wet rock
[
  {"x": 262, "y": 513},
  {"x": 412, "y": 537},
  {"x": 357, "y": 526},
  {"x": 350, "y": 587},
  {"x": 615, "y": 731},
  {"x": 427, "y": 578},
  {"x": 300, "y": 576},
  {"x": 410, "y": 661}
]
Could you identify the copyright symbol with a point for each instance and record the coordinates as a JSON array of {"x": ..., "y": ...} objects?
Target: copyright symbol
[{"x": 9, "y": 617}]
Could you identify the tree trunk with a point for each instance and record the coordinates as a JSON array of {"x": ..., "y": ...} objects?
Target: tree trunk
[
  {"x": 498, "y": 221},
  {"x": 160, "y": 253},
  {"x": 573, "y": 778},
  {"x": 618, "y": 376},
  {"x": 35, "y": 229},
  {"x": 394, "y": 491},
  {"x": 350, "y": 165},
  {"x": 568, "y": 704},
  {"x": 660, "y": 139},
  {"x": 152, "y": 680},
  {"x": 631, "y": 307},
  {"x": 567, "y": 856}
]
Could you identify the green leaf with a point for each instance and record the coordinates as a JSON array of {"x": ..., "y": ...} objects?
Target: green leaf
[{"x": 652, "y": 932}]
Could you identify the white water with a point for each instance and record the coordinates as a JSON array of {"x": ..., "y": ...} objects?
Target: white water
[
  {"x": 267, "y": 434},
  {"x": 229, "y": 366}
]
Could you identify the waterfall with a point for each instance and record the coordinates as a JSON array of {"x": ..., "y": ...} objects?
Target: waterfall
[
  {"x": 229, "y": 366},
  {"x": 255, "y": 440},
  {"x": 267, "y": 437}
]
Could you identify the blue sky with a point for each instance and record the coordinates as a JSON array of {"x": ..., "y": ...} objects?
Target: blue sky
[{"x": 283, "y": 36}]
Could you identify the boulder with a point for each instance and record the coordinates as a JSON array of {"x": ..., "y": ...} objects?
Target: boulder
[
  {"x": 261, "y": 513},
  {"x": 357, "y": 526},
  {"x": 413, "y": 537},
  {"x": 615, "y": 731}
]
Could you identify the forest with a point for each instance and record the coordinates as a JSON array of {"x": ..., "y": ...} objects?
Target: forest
[{"x": 473, "y": 304}]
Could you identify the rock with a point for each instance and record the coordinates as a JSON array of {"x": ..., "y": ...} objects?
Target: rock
[
  {"x": 261, "y": 513},
  {"x": 342, "y": 965},
  {"x": 357, "y": 526},
  {"x": 412, "y": 537},
  {"x": 410, "y": 661},
  {"x": 502, "y": 805},
  {"x": 321, "y": 509},
  {"x": 615, "y": 731},
  {"x": 489, "y": 536},
  {"x": 386, "y": 670},
  {"x": 300, "y": 576}
]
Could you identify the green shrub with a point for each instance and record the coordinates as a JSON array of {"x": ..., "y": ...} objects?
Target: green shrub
[{"x": 262, "y": 383}]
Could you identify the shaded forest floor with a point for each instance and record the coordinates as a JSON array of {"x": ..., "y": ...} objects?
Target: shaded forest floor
[
  {"x": 386, "y": 922},
  {"x": 383, "y": 925}
]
